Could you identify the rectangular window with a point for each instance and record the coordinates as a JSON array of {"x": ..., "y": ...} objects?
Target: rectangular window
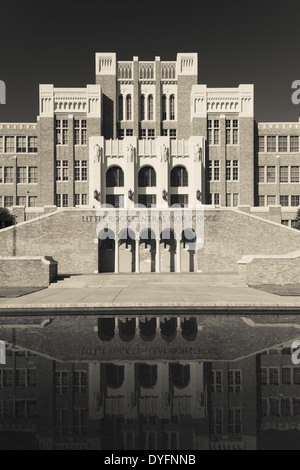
[
  {"x": 271, "y": 200},
  {"x": 1, "y": 145},
  {"x": 214, "y": 170},
  {"x": 286, "y": 376},
  {"x": 80, "y": 131},
  {"x": 8, "y": 201},
  {"x": 285, "y": 222},
  {"x": 61, "y": 382},
  {"x": 295, "y": 201},
  {"x": 180, "y": 199},
  {"x": 271, "y": 143},
  {"x": 151, "y": 133},
  {"x": 296, "y": 375},
  {"x": 173, "y": 134},
  {"x": 235, "y": 381},
  {"x": 294, "y": 143},
  {"x": 235, "y": 422},
  {"x": 284, "y": 174},
  {"x": 217, "y": 199},
  {"x": 232, "y": 132},
  {"x": 21, "y": 145},
  {"x": 22, "y": 174},
  {"x": 209, "y": 131},
  {"x": 61, "y": 422},
  {"x": 115, "y": 200},
  {"x": 8, "y": 174},
  {"x": 58, "y": 200},
  {"x": 284, "y": 201},
  {"x": 261, "y": 143},
  {"x": 274, "y": 407},
  {"x": 271, "y": 174},
  {"x": 228, "y": 200},
  {"x": 296, "y": 406},
  {"x": 261, "y": 201},
  {"x": 80, "y": 382},
  {"x": 147, "y": 200},
  {"x": 6, "y": 378},
  {"x": 32, "y": 145},
  {"x": 62, "y": 137},
  {"x": 232, "y": 170},
  {"x": 62, "y": 170},
  {"x": 129, "y": 132},
  {"x": 216, "y": 132},
  {"x": 32, "y": 201},
  {"x": 282, "y": 143},
  {"x": 33, "y": 175},
  {"x": 62, "y": 200},
  {"x": 216, "y": 422},
  {"x": 9, "y": 144},
  {"x": 217, "y": 381},
  {"x": 21, "y": 201},
  {"x": 65, "y": 200},
  {"x": 261, "y": 174},
  {"x": 121, "y": 134},
  {"x": 264, "y": 376},
  {"x": 294, "y": 174},
  {"x": 235, "y": 200},
  {"x": 77, "y": 199},
  {"x": 81, "y": 170},
  {"x": 273, "y": 376}
]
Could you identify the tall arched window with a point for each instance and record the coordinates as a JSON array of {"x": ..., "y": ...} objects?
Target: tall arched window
[
  {"x": 164, "y": 107},
  {"x": 121, "y": 108},
  {"x": 128, "y": 108},
  {"x": 142, "y": 107},
  {"x": 150, "y": 108},
  {"x": 114, "y": 177},
  {"x": 179, "y": 177},
  {"x": 147, "y": 177},
  {"x": 172, "y": 108}
]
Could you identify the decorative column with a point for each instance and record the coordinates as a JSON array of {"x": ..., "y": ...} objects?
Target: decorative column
[
  {"x": 116, "y": 254},
  {"x": 157, "y": 256},
  {"x": 178, "y": 256},
  {"x": 137, "y": 255}
]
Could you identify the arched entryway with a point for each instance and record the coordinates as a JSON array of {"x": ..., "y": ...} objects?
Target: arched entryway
[
  {"x": 188, "y": 258},
  {"x": 127, "y": 258},
  {"x": 106, "y": 251},
  {"x": 147, "y": 251},
  {"x": 167, "y": 251}
]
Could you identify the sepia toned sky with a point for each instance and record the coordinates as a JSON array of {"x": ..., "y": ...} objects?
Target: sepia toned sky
[{"x": 237, "y": 42}]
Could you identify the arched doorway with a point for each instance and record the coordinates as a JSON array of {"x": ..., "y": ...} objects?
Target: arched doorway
[
  {"x": 188, "y": 259},
  {"x": 180, "y": 375},
  {"x": 106, "y": 251},
  {"x": 147, "y": 375},
  {"x": 167, "y": 252},
  {"x": 127, "y": 251},
  {"x": 114, "y": 375},
  {"x": 147, "y": 251}
]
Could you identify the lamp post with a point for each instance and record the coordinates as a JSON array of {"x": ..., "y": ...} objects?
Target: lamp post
[
  {"x": 97, "y": 195},
  {"x": 164, "y": 195},
  {"x": 130, "y": 195},
  {"x": 198, "y": 195}
]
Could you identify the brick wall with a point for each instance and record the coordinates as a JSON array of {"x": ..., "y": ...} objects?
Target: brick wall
[
  {"x": 27, "y": 272},
  {"x": 283, "y": 269}
]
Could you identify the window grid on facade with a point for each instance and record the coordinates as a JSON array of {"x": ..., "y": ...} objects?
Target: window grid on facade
[
  {"x": 80, "y": 199},
  {"x": 21, "y": 144},
  {"x": 271, "y": 174},
  {"x": 294, "y": 174},
  {"x": 216, "y": 422},
  {"x": 179, "y": 177},
  {"x": 62, "y": 200},
  {"x": 62, "y": 170},
  {"x": 214, "y": 170},
  {"x": 235, "y": 381},
  {"x": 80, "y": 132},
  {"x": 217, "y": 381},
  {"x": 61, "y": 126},
  {"x": 271, "y": 143},
  {"x": 147, "y": 200},
  {"x": 128, "y": 108},
  {"x": 282, "y": 143},
  {"x": 295, "y": 201},
  {"x": 115, "y": 200},
  {"x": 284, "y": 201},
  {"x": 8, "y": 174},
  {"x": 232, "y": 170},
  {"x": 8, "y": 201},
  {"x": 147, "y": 177},
  {"x": 80, "y": 382},
  {"x": 271, "y": 200},
  {"x": 235, "y": 421},
  {"x": 294, "y": 143},
  {"x": 180, "y": 199},
  {"x": 80, "y": 170},
  {"x": 115, "y": 177},
  {"x": 232, "y": 131},
  {"x": 9, "y": 144},
  {"x": 32, "y": 144},
  {"x": 261, "y": 143},
  {"x": 61, "y": 382},
  {"x": 284, "y": 174},
  {"x": 172, "y": 108}
]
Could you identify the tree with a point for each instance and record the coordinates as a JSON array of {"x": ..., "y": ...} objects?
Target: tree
[
  {"x": 297, "y": 220},
  {"x": 6, "y": 218}
]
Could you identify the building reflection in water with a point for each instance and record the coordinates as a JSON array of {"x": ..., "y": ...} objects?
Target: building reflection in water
[{"x": 149, "y": 404}]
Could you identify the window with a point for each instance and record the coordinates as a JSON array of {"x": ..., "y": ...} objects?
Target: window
[
  {"x": 150, "y": 108},
  {"x": 285, "y": 222},
  {"x": 6, "y": 377},
  {"x": 62, "y": 200},
  {"x": 32, "y": 145},
  {"x": 128, "y": 108},
  {"x": 232, "y": 132},
  {"x": 151, "y": 134},
  {"x": 32, "y": 175},
  {"x": 295, "y": 201},
  {"x": 80, "y": 129},
  {"x": 173, "y": 134},
  {"x": 271, "y": 174},
  {"x": 214, "y": 170},
  {"x": 61, "y": 382},
  {"x": 1, "y": 145},
  {"x": 81, "y": 170},
  {"x": 62, "y": 170},
  {"x": 121, "y": 134},
  {"x": 21, "y": 201},
  {"x": 286, "y": 375},
  {"x": 282, "y": 143},
  {"x": 261, "y": 174},
  {"x": 121, "y": 108},
  {"x": 62, "y": 132},
  {"x": 274, "y": 407},
  {"x": 80, "y": 421},
  {"x": 228, "y": 200},
  {"x": 235, "y": 421},
  {"x": 284, "y": 174},
  {"x": 232, "y": 170},
  {"x": 261, "y": 201},
  {"x": 235, "y": 200},
  {"x": 26, "y": 378},
  {"x": 32, "y": 201},
  {"x": 264, "y": 407},
  {"x": 271, "y": 143},
  {"x": 216, "y": 422},
  {"x": 294, "y": 143},
  {"x": 217, "y": 199},
  {"x": 235, "y": 381},
  {"x": 147, "y": 134},
  {"x": 217, "y": 381},
  {"x": 180, "y": 199},
  {"x": 115, "y": 200},
  {"x": 147, "y": 177},
  {"x": 179, "y": 177},
  {"x": 9, "y": 144},
  {"x": 261, "y": 143},
  {"x": 164, "y": 107},
  {"x": 80, "y": 199},
  {"x": 115, "y": 177},
  {"x": 296, "y": 375},
  {"x": 8, "y": 201},
  {"x": 80, "y": 382},
  {"x": 147, "y": 200},
  {"x": 273, "y": 376},
  {"x": 21, "y": 145},
  {"x": 216, "y": 132},
  {"x": 294, "y": 174},
  {"x": 284, "y": 201},
  {"x": 271, "y": 200},
  {"x": 143, "y": 108},
  {"x": 22, "y": 174},
  {"x": 264, "y": 376},
  {"x": 172, "y": 108},
  {"x": 296, "y": 406},
  {"x": 61, "y": 422}
]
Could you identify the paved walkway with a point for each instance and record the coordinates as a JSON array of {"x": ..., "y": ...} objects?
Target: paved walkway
[{"x": 194, "y": 291}]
